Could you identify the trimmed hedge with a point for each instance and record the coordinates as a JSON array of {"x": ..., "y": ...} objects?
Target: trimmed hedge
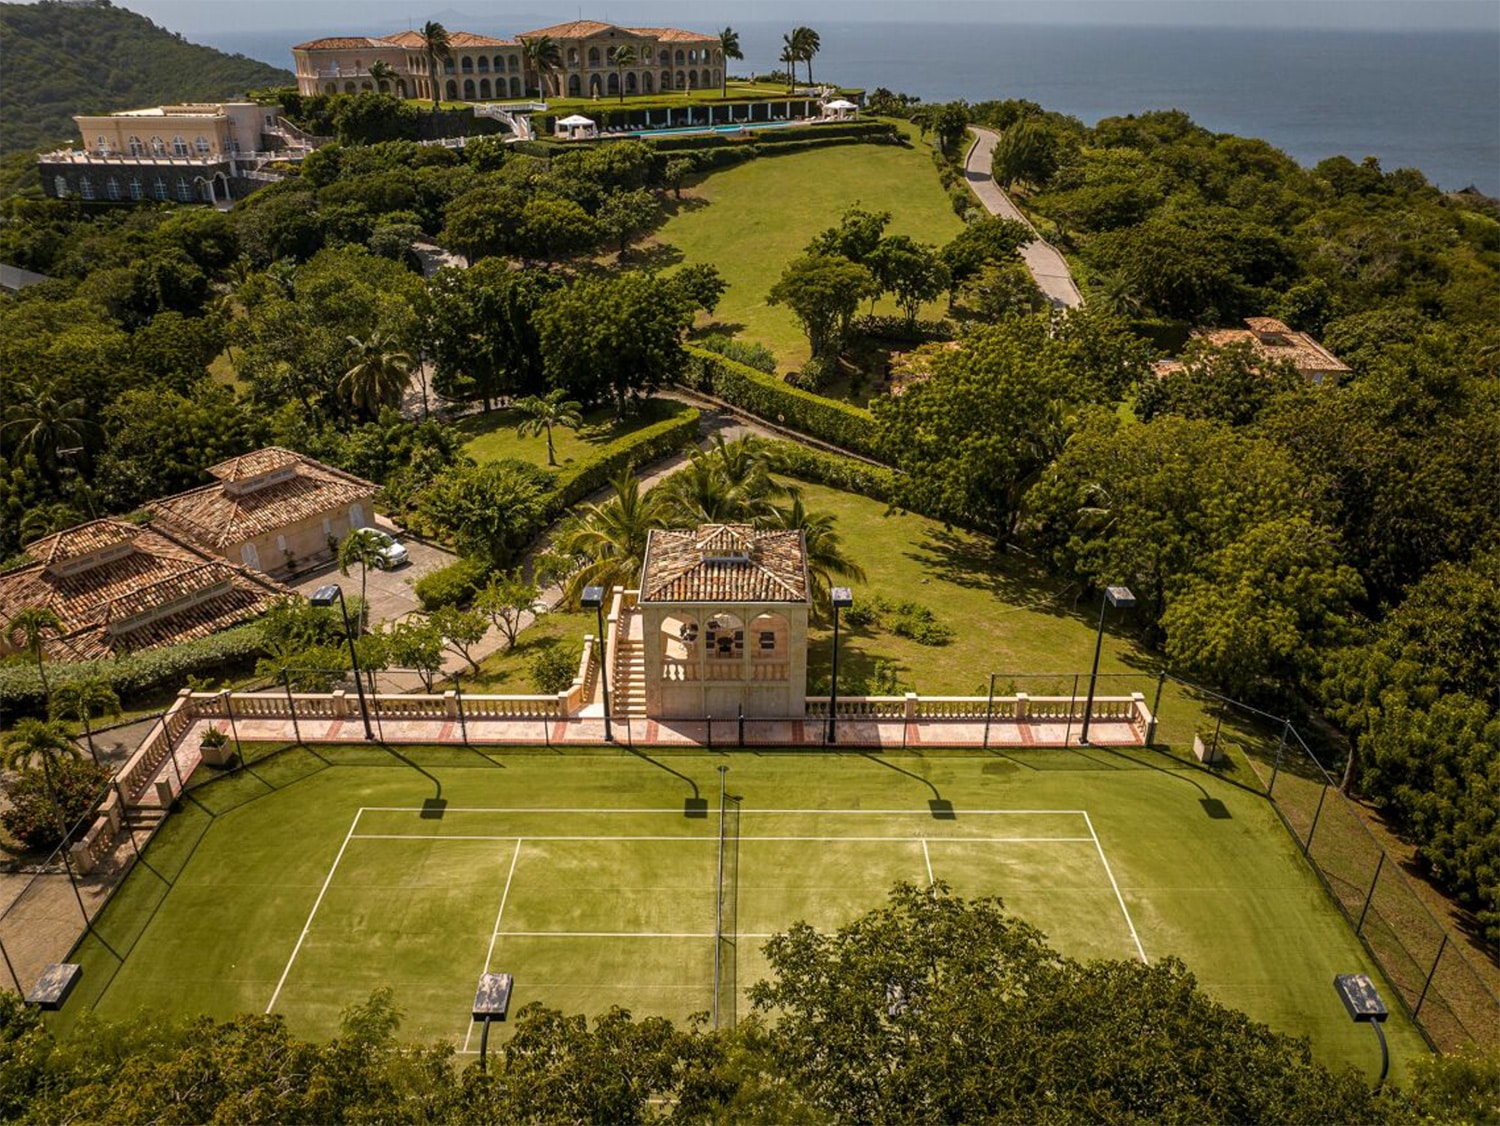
[
  {"x": 903, "y": 330},
  {"x": 774, "y": 400},
  {"x": 656, "y": 441},
  {"x": 134, "y": 674},
  {"x": 453, "y": 585},
  {"x": 877, "y": 131},
  {"x": 842, "y": 473}
]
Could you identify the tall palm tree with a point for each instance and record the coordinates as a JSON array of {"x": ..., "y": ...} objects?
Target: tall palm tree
[
  {"x": 607, "y": 542},
  {"x": 82, "y": 700},
  {"x": 27, "y": 630},
  {"x": 40, "y": 424},
  {"x": 789, "y": 56},
  {"x": 542, "y": 56},
  {"x": 436, "y": 47},
  {"x": 729, "y": 47},
  {"x": 728, "y": 483},
  {"x": 383, "y": 74},
  {"x": 379, "y": 375},
  {"x": 362, "y": 546},
  {"x": 625, "y": 57},
  {"x": 824, "y": 550},
  {"x": 807, "y": 44},
  {"x": 543, "y": 413},
  {"x": 31, "y": 740}
]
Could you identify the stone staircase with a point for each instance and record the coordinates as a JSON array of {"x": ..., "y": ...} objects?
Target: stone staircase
[{"x": 628, "y": 676}]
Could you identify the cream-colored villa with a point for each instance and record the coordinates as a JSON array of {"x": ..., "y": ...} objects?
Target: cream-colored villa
[
  {"x": 481, "y": 68},
  {"x": 719, "y": 623}
]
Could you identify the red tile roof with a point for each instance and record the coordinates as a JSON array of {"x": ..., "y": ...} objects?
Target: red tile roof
[
  {"x": 108, "y": 608},
  {"x": 1274, "y": 340},
  {"x": 675, "y": 35},
  {"x": 217, "y": 517},
  {"x": 574, "y": 29},
  {"x": 346, "y": 43},
  {"x": 724, "y": 563},
  {"x": 85, "y": 539}
]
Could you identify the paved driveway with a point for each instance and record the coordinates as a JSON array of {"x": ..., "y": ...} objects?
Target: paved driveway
[{"x": 389, "y": 592}]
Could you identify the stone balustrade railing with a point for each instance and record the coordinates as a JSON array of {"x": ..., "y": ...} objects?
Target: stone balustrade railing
[{"x": 1020, "y": 707}]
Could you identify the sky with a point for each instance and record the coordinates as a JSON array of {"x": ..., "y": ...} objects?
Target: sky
[{"x": 193, "y": 17}]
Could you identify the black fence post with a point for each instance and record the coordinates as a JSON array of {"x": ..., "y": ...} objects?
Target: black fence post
[
  {"x": 233, "y": 730},
  {"x": 1161, "y": 680},
  {"x": 1426, "y": 985},
  {"x": 12, "y": 969},
  {"x": 1213, "y": 755},
  {"x": 1359, "y": 927},
  {"x": 1073, "y": 699},
  {"x": 989, "y": 711},
  {"x": 458, "y": 699},
  {"x": 742, "y": 724},
  {"x": 291, "y": 704},
  {"x": 1307, "y": 847},
  {"x": 1286, "y": 725},
  {"x": 710, "y": 732}
]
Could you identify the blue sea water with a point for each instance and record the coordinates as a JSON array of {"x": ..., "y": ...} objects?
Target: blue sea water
[{"x": 1427, "y": 100}]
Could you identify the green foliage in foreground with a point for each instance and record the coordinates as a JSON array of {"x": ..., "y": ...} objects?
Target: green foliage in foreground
[
  {"x": 62, "y": 60},
  {"x": 929, "y": 1009}
]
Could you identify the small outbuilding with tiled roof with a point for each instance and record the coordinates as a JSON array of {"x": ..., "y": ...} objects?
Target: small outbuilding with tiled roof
[
  {"x": 722, "y": 622},
  {"x": 1276, "y": 341},
  {"x": 272, "y": 509},
  {"x": 119, "y": 587}
]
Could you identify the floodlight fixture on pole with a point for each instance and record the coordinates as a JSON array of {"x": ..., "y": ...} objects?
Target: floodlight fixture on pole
[
  {"x": 593, "y": 598},
  {"x": 841, "y": 598},
  {"x": 1364, "y": 1005},
  {"x": 491, "y": 1001},
  {"x": 324, "y": 596},
  {"x": 1120, "y": 598}
]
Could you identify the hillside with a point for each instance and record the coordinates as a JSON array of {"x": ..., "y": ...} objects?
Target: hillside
[{"x": 57, "y": 60}]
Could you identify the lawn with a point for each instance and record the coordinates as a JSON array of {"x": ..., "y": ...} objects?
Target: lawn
[
  {"x": 751, "y": 221},
  {"x": 508, "y": 671},
  {"x": 315, "y": 875},
  {"x": 493, "y": 436}
]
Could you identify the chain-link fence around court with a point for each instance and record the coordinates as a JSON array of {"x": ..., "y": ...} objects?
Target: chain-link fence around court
[{"x": 1437, "y": 983}]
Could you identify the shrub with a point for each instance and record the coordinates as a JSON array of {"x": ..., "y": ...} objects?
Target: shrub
[
  {"x": 453, "y": 585},
  {"x": 33, "y": 815},
  {"x": 901, "y": 329},
  {"x": 553, "y": 669},
  {"x": 837, "y": 472},
  {"x": 135, "y": 674},
  {"x": 644, "y": 446},
  {"x": 764, "y": 395},
  {"x": 746, "y": 352},
  {"x": 910, "y": 620}
]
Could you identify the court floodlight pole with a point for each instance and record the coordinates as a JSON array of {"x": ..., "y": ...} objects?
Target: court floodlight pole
[
  {"x": 324, "y": 596},
  {"x": 840, "y": 598},
  {"x": 593, "y": 598},
  {"x": 1121, "y": 597}
]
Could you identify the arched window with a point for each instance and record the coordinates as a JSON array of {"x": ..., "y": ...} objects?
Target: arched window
[
  {"x": 646, "y": 83},
  {"x": 448, "y": 66},
  {"x": 157, "y": 147},
  {"x": 112, "y": 188},
  {"x": 682, "y": 82},
  {"x": 609, "y": 55},
  {"x": 515, "y": 86},
  {"x": 484, "y": 64},
  {"x": 159, "y": 188},
  {"x": 466, "y": 64},
  {"x": 202, "y": 145},
  {"x": 184, "y": 189},
  {"x": 60, "y": 187},
  {"x": 484, "y": 88},
  {"x": 630, "y": 85},
  {"x": 136, "y": 148},
  {"x": 572, "y": 56},
  {"x": 103, "y": 146},
  {"x": 681, "y": 58},
  {"x": 179, "y": 146},
  {"x": 136, "y": 191},
  {"x": 366, "y": 86},
  {"x": 452, "y": 90},
  {"x": 575, "y": 87},
  {"x": 331, "y": 88},
  {"x": 593, "y": 56},
  {"x": 468, "y": 89},
  {"x": 348, "y": 87},
  {"x": 666, "y": 80},
  {"x": 515, "y": 63},
  {"x": 614, "y": 85},
  {"x": 646, "y": 54},
  {"x": 85, "y": 187}
]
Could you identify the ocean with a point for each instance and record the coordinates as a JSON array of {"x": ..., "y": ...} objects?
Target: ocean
[{"x": 1426, "y": 100}]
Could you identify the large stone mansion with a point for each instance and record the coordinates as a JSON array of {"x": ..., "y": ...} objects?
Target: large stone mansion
[{"x": 481, "y": 68}]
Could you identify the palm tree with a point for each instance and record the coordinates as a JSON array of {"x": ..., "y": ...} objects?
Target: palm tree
[
  {"x": 624, "y": 57},
  {"x": 607, "y": 542},
  {"x": 542, "y": 414},
  {"x": 436, "y": 47},
  {"x": 362, "y": 546},
  {"x": 789, "y": 56},
  {"x": 727, "y": 484},
  {"x": 37, "y": 739},
  {"x": 378, "y": 376},
  {"x": 382, "y": 72},
  {"x": 82, "y": 700},
  {"x": 542, "y": 56},
  {"x": 40, "y": 424},
  {"x": 807, "y": 44},
  {"x": 824, "y": 552},
  {"x": 26, "y": 631},
  {"x": 729, "y": 47}
]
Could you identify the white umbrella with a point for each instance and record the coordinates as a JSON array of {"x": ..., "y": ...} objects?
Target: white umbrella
[
  {"x": 839, "y": 104},
  {"x": 575, "y": 120}
]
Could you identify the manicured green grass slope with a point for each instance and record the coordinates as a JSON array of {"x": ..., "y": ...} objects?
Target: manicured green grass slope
[
  {"x": 761, "y": 214},
  {"x": 493, "y": 435},
  {"x": 587, "y": 919}
]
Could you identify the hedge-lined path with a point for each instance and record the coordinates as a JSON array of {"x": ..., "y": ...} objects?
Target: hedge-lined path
[{"x": 1044, "y": 260}]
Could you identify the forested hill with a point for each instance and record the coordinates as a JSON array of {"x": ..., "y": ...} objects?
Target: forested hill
[{"x": 60, "y": 59}]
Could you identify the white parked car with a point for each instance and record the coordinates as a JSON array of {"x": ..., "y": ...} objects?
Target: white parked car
[{"x": 392, "y": 553}]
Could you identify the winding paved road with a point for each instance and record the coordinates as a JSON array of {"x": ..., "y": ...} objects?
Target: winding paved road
[{"x": 1045, "y": 262}]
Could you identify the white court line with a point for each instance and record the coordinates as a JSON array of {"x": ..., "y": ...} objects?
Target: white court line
[
  {"x": 495, "y": 930},
  {"x": 1139, "y": 949},
  {"x": 677, "y": 809},
  {"x": 709, "y": 840},
  {"x": 608, "y": 934},
  {"x": 328, "y": 879},
  {"x": 927, "y": 856}
]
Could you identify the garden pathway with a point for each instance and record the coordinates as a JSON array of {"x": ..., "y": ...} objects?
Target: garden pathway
[{"x": 1044, "y": 260}]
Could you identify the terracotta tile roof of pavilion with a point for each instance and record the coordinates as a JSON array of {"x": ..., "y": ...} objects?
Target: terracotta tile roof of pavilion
[
  {"x": 573, "y": 29},
  {"x": 237, "y": 508},
  {"x": 1273, "y": 339},
  {"x": 407, "y": 39},
  {"x": 347, "y": 43},
  {"x": 145, "y": 588},
  {"x": 724, "y": 563},
  {"x": 674, "y": 34}
]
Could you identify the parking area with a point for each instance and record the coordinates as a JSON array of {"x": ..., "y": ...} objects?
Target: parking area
[{"x": 389, "y": 592}]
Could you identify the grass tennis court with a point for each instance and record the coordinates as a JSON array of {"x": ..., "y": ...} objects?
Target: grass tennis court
[{"x": 315, "y": 875}]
